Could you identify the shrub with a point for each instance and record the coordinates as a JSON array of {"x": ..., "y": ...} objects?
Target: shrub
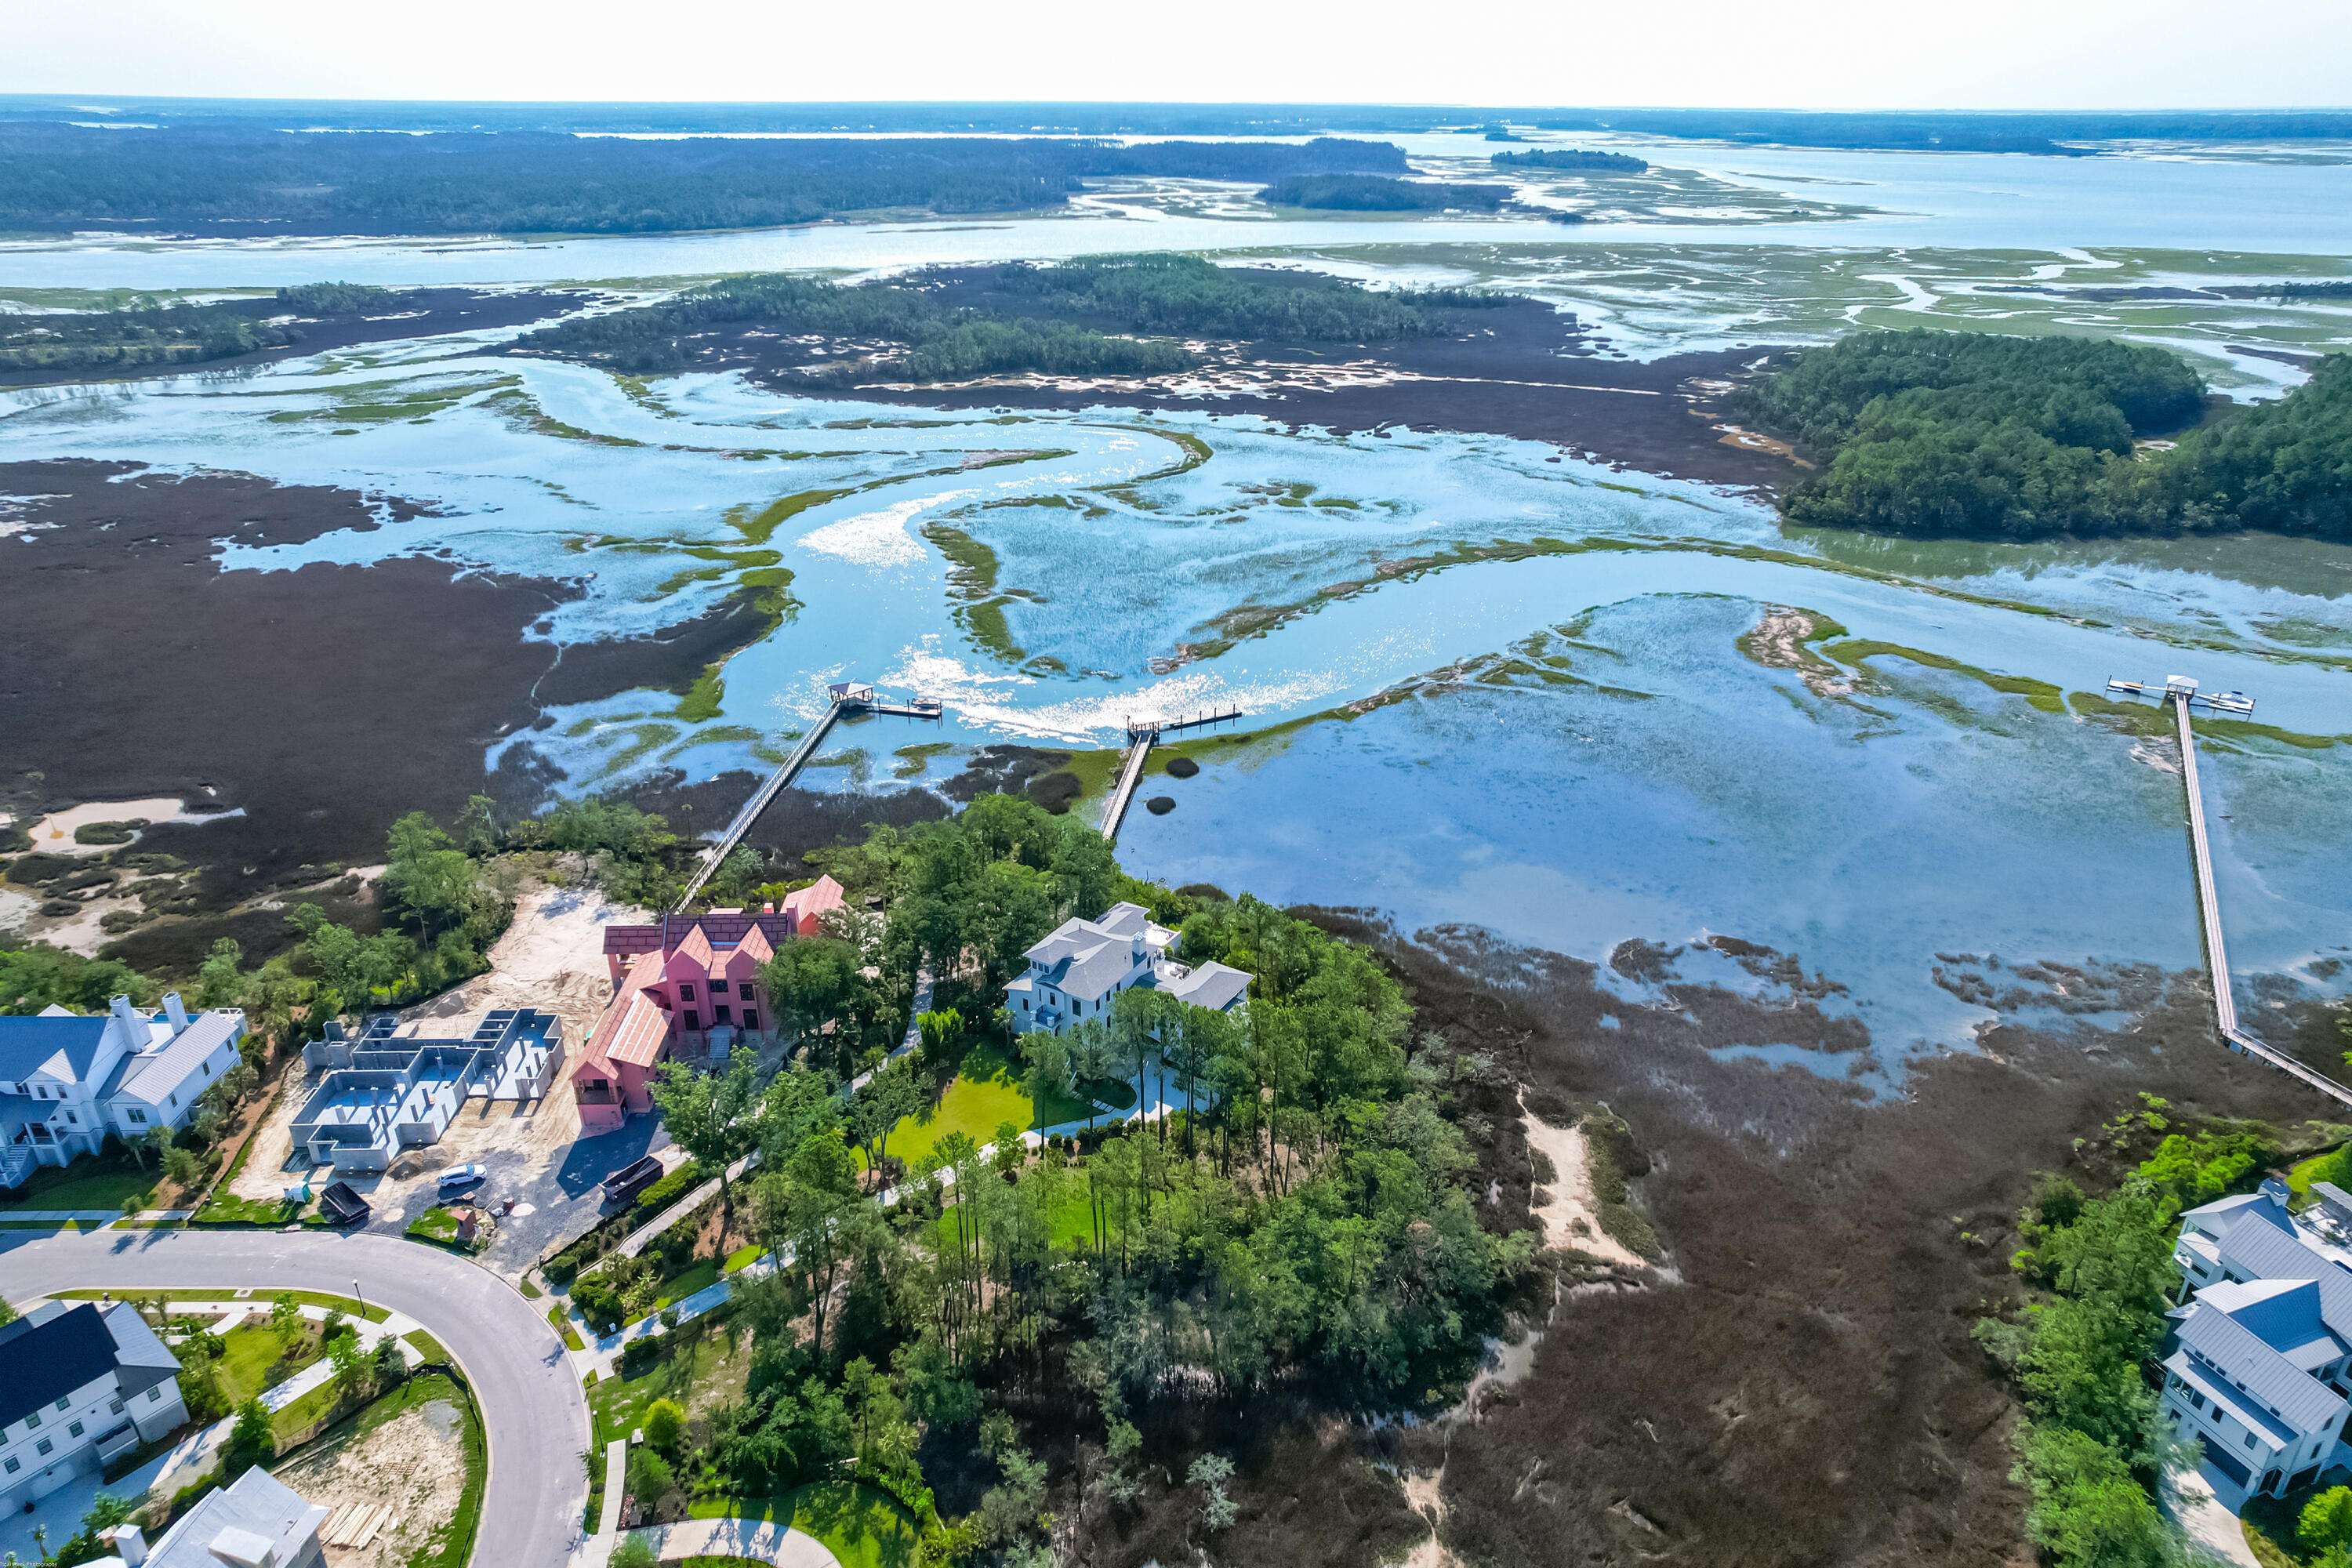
[{"x": 665, "y": 1426}]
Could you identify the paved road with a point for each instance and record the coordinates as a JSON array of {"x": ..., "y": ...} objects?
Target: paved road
[{"x": 533, "y": 1410}]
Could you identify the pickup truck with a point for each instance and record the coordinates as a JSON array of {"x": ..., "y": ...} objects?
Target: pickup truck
[{"x": 632, "y": 1178}]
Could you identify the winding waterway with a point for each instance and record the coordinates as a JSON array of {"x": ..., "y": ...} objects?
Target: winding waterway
[{"x": 1485, "y": 682}]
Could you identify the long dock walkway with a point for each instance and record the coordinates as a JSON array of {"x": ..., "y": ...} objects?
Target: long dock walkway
[
  {"x": 2217, "y": 954},
  {"x": 848, "y": 698},
  {"x": 1140, "y": 739}
]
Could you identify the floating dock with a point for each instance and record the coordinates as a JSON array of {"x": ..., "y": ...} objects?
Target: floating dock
[{"x": 1141, "y": 736}]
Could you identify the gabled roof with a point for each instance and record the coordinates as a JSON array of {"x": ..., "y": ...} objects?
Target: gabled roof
[
  {"x": 753, "y": 948},
  {"x": 152, "y": 1075},
  {"x": 2218, "y": 1216},
  {"x": 44, "y": 1359},
  {"x": 2252, "y": 1248},
  {"x": 60, "y": 1044},
  {"x": 693, "y": 948},
  {"x": 2269, "y": 1378},
  {"x": 807, "y": 905},
  {"x": 1214, "y": 986},
  {"x": 255, "y": 1518},
  {"x": 141, "y": 1359},
  {"x": 643, "y": 1034}
]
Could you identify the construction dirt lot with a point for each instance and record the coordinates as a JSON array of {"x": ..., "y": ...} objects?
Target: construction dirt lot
[
  {"x": 551, "y": 958},
  {"x": 387, "y": 1490}
]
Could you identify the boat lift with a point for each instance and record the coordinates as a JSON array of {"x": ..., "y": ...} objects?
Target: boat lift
[{"x": 2183, "y": 689}]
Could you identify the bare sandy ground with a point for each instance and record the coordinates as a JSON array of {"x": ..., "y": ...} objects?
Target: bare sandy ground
[
  {"x": 1571, "y": 1217},
  {"x": 551, "y": 957},
  {"x": 414, "y": 1463},
  {"x": 54, "y": 834}
]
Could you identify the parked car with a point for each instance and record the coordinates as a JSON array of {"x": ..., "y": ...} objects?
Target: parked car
[
  {"x": 632, "y": 1178},
  {"x": 457, "y": 1178},
  {"x": 344, "y": 1206}
]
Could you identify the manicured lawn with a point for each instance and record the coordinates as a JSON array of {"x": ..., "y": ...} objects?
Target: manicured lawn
[
  {"x": 988, "y": 1091},
  {"x": 707, "y": 1367},
  {"x": 249, "y": 1360},
  {"x": 428, "y": 1347},
  {"x": 258, "y": 1302},
  {"x": 84, "y": 1184},
  {"x": 742, "y": 1258},
  {"x": 700, "y": 1275},
  {"x": 563, "y": 1327},
  {"x": 985, "y": 1094},
  {"x": 864, "y": 1527}
]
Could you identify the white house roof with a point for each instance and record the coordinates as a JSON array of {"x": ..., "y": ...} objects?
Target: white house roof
[
  {"x": 2217, "y": 1218},
  {"x": 1088, "y": 959},
  {"x": 2274, "y": 1383},
  {"x": 153, "y": 1073},
  {"x": 1212, "y": 984},
  {"x": 254, "y": 1522}
]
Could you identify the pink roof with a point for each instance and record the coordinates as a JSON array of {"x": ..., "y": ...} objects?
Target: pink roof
[
  {"x": 805, "y": 904},
  {"x": 616, "y": 1037},
  {"x": 643, "y": 1035},
  {"x": 750, "y": 953}
]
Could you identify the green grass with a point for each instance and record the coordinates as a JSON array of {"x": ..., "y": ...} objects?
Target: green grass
[
  {"x": 55, "y": 1187},
  {"x": 287, "y": 1425},
  {"x": 987, "y": 1093},
  {"x": 531, "y": 1292},
  {"x": 250, "y": 1360},
  {"x": 742, "y": 1258},
  {"x": 258, "y": 1302},
  {"x": 431, "y": 1349},
  {"x": 702, "y": 1273},
  {"x": 2328, "y": 1165},
  {"x": 224, "y": 1208},
  {"x": 438, "y": 1225},
  {"x": 861, "y": 1525},
  {"x": 704, "y": 1367},
  {"x": 1072, "y": 1228},
  {"x": 563, "y": 1329},
  {"x": 2040, "y": 694}
]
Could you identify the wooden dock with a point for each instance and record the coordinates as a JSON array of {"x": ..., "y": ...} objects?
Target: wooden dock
[
  {"x": 2216, "y": 955},
  {"x": 1141, "y": 736},
  {"x": 848, "y": 699}
]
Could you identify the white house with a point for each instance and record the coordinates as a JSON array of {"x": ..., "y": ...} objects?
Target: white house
[
  {"x": 80, "y": 1385},
  {"x": 2258, "y": 1372},
  {"x": 254, "y": 1521},
  {"x": 67, "y": 1080},
  {"x": 1077, "y": 970}
]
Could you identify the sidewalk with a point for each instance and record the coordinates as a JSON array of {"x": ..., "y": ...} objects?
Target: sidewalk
[
  {"x": 90, "y": 1217},
  {"x": 192, "y": 1455}
]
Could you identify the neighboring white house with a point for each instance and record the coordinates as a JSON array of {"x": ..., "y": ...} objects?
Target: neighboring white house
[
  {"x": 67, "y": 1079},
  {"x": 254, "y": 1521},
  {"x": 80, "y": 1385},
  {"x": 1076, "y": 971},
  {"x": 2258, "y": 1372}
]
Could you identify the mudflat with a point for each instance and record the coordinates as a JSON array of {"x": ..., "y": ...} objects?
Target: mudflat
[{"x": 322, "y": 702}]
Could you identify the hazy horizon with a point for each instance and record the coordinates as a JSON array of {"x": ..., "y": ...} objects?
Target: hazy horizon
[{"x": 1841, "y": 55}]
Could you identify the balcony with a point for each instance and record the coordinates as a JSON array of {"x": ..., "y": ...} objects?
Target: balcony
[
  {"x": 596, "y": 1094},
  {"x": 117, "y": 1443}
]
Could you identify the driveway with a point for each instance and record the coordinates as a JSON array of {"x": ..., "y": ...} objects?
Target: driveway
[{"x": 533, "y": 1414}]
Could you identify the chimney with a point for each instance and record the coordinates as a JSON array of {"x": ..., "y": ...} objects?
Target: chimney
[
  {"x": 135, "y": 1027},
  {"x": 130, "y": 1544},
  {"x": 175, "y": 1010}
]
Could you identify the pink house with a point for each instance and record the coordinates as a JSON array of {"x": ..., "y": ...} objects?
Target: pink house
[{"x": 685, "y": 982}]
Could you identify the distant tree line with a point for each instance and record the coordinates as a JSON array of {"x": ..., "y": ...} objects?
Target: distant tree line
[
  {"x": 1073, "y": 304},
  {"x": 1378, "y": 193},
  {"x": 146, "y": 334},
  {"x": 1967, "y": 435},
  {"x": 1186, "y": 294},
  {"x": 234, "y": 176},
  {"x": 1579, "y": 158}
]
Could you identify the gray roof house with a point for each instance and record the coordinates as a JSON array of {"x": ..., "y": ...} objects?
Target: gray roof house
[
  {"x": 67, "y": 1080},
  {"x": 254, "y": 1521},
  {"x": 1080, "y": 966},
  {"x": 80, "y": 1384},
  {"x": 2259, "y": 1369}
]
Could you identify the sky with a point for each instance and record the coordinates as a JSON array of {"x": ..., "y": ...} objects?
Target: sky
[{"x": 1806, "y": 54}]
